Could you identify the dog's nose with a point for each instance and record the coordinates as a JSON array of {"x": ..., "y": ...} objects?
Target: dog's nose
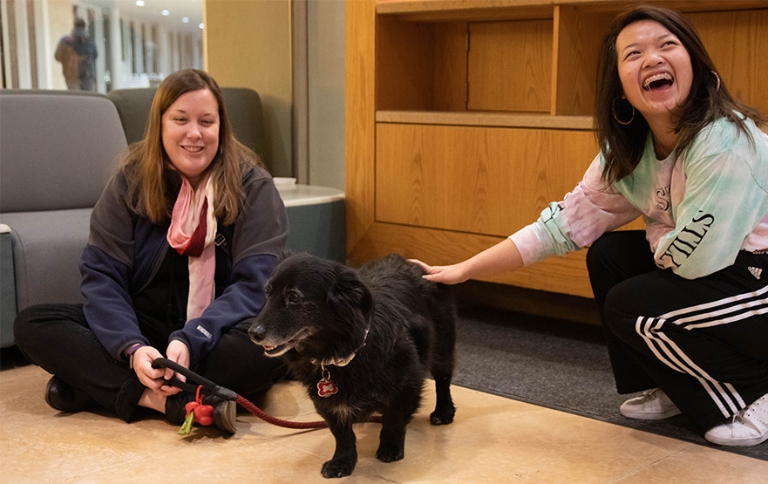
[{"x": 257, "y": 332}]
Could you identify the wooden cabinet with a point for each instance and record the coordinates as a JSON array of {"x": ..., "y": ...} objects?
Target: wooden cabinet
[{"x": 465, "y": 118}]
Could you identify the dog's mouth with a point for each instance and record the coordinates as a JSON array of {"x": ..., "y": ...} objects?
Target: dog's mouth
[{"x": 294, "y": 342}]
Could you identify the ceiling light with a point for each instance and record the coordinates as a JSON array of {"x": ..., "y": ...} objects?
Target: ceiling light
[
  {"x": 185, "y": 20},
  {"x": 139, "y": 3},
  {"x": 165, "y": 12},
  {"x": 201, "y": 26}
]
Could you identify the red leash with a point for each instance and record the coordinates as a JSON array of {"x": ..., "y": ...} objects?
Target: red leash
[
  {"x": 247, "y": 404},
  {"x": 228, "y": 394}
]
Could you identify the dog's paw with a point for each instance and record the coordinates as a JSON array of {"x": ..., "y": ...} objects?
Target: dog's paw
[
  {"x": 390, "y": 453},
  {"x": 336, "y": 468},
  {"x": 442, "y": 416}
]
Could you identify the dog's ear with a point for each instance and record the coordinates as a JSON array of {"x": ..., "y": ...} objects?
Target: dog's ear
[{"x": 350, "y": 294}]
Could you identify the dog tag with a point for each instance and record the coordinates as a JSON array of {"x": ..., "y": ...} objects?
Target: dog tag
[{"x": 326, "y": 387}]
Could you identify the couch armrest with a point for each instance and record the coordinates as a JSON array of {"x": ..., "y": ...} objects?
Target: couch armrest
[{"x": 7, "y": 288}]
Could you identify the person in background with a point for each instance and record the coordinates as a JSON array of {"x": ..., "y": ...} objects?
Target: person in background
[
  {"x": 683, "y": 303},
  {"x": 181, "y": 243},
  {"x": 77, "y": 54}
]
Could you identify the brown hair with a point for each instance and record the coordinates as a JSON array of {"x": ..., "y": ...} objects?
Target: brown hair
[
  {"x": 147, "y": 175},
  {"x": 708, "y": 100}
]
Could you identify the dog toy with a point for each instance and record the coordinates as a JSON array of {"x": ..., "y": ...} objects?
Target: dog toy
[{"x": 198, "y": 412}]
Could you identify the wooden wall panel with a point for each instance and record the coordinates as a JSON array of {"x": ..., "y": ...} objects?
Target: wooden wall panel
[
  {"x": 737, "y": 42},
  {"x": 510, "y": 65},
  {"x": 450, "y": 54},
  {"x": 360, "y": 115},
  {"x": 565, "y": 275},
  {"x": 483, "y": 180},
  {"x": 405, "y": 64},
  {"x": 577, "y": 39}
]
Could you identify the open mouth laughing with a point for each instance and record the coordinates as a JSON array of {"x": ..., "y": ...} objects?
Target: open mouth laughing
[{"x": 658, "y": 81}]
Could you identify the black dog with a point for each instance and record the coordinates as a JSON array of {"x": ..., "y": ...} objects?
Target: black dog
[{"x": 361, "y": 341}]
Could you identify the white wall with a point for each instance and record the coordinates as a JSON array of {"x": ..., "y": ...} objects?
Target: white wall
[{"x": 326, "y": 93}]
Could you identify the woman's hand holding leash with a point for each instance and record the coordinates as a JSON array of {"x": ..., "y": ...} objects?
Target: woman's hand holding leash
[
  {"x": 152, "y": 378},
  {"x": 177, "y": 352}
]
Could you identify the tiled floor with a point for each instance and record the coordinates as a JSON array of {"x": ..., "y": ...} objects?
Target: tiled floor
[{"x": 492, "y": 440}]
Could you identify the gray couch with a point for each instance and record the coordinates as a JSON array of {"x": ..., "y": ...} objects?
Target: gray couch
[{"x": 57, "y": 150}]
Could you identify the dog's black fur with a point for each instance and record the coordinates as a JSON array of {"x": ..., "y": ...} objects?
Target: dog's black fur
[{"x": 398, "y": 327}]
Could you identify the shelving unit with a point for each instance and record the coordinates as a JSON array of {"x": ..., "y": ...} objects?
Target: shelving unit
[{"x": 465, "y": 118}]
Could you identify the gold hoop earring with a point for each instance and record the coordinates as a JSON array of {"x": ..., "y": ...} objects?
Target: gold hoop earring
[
  {"x": 705, "y": 85},
  {"x": 613, "y": 110}
]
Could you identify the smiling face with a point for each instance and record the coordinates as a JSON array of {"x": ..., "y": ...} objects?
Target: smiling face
[
  {"x": 655, "y": 70},
  {"x": 190, "y": 133}
]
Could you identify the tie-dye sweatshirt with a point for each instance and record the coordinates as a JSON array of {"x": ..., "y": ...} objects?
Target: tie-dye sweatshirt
[{"x": 700, "y": 208}]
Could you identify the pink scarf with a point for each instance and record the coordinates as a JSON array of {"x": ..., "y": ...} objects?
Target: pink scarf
[{"x": 192, "y": 232}]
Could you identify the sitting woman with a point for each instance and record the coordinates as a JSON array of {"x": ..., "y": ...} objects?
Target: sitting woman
[{"x": 181, "y": 243}]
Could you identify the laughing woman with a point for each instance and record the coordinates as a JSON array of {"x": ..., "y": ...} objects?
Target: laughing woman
[
  {"x": 683, "y": 303},
  {"x": 181, "y": 243}
]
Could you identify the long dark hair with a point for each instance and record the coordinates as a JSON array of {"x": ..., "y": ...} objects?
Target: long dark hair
[
  {"x": 708, "y": 100},
  {"x": 145, "y": 167}
]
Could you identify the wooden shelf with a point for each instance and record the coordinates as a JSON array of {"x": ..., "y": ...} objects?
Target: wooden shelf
[
  {"x": 489, "y": 10},
  {"x": 498, "y": 120},
  {"x": 449, "y": 10},
  {"x": 465, "y": 118}
]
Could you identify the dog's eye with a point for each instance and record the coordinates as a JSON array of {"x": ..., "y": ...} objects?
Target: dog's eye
[{"x": 293, "y": 297}]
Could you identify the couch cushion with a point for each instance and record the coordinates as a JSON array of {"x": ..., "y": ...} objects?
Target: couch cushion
[
  {"x": 46, "y": 254},
  {"x": 56, "y": 150},
  {"x": 7, "y": 281},
  {"x": 133, "y": 108}
]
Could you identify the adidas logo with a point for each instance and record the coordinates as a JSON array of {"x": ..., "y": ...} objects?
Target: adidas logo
[{"x": 755, "y": 271}]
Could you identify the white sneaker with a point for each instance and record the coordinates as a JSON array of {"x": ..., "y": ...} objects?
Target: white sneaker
[
  {"x": 651, "y": 405},
  {"x": 748, "y": 427}
]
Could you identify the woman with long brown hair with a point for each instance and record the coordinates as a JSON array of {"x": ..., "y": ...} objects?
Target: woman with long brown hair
[{"x": 181, "y": 243}]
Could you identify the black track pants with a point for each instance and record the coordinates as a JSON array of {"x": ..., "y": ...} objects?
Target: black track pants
[
  {"x": 703, "y": 341},
  {"x": 57, "y": 338}
]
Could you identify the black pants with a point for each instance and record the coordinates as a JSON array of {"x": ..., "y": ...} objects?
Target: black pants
[
  {"x": 57, "y": 338},
  {"x": 703, "y": 341}
]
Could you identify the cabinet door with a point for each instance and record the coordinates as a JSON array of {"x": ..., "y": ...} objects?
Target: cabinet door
[{"x": 489, "y": 181}]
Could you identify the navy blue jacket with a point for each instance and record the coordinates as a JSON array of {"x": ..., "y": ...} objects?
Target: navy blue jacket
[{"x": 125, "y": 251}]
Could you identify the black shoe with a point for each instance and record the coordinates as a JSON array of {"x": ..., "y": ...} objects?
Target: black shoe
[
  {"x": 224, "y": 411},
  {"x": 175, "y": 412},
  {"x": 66, "y": 398}
]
